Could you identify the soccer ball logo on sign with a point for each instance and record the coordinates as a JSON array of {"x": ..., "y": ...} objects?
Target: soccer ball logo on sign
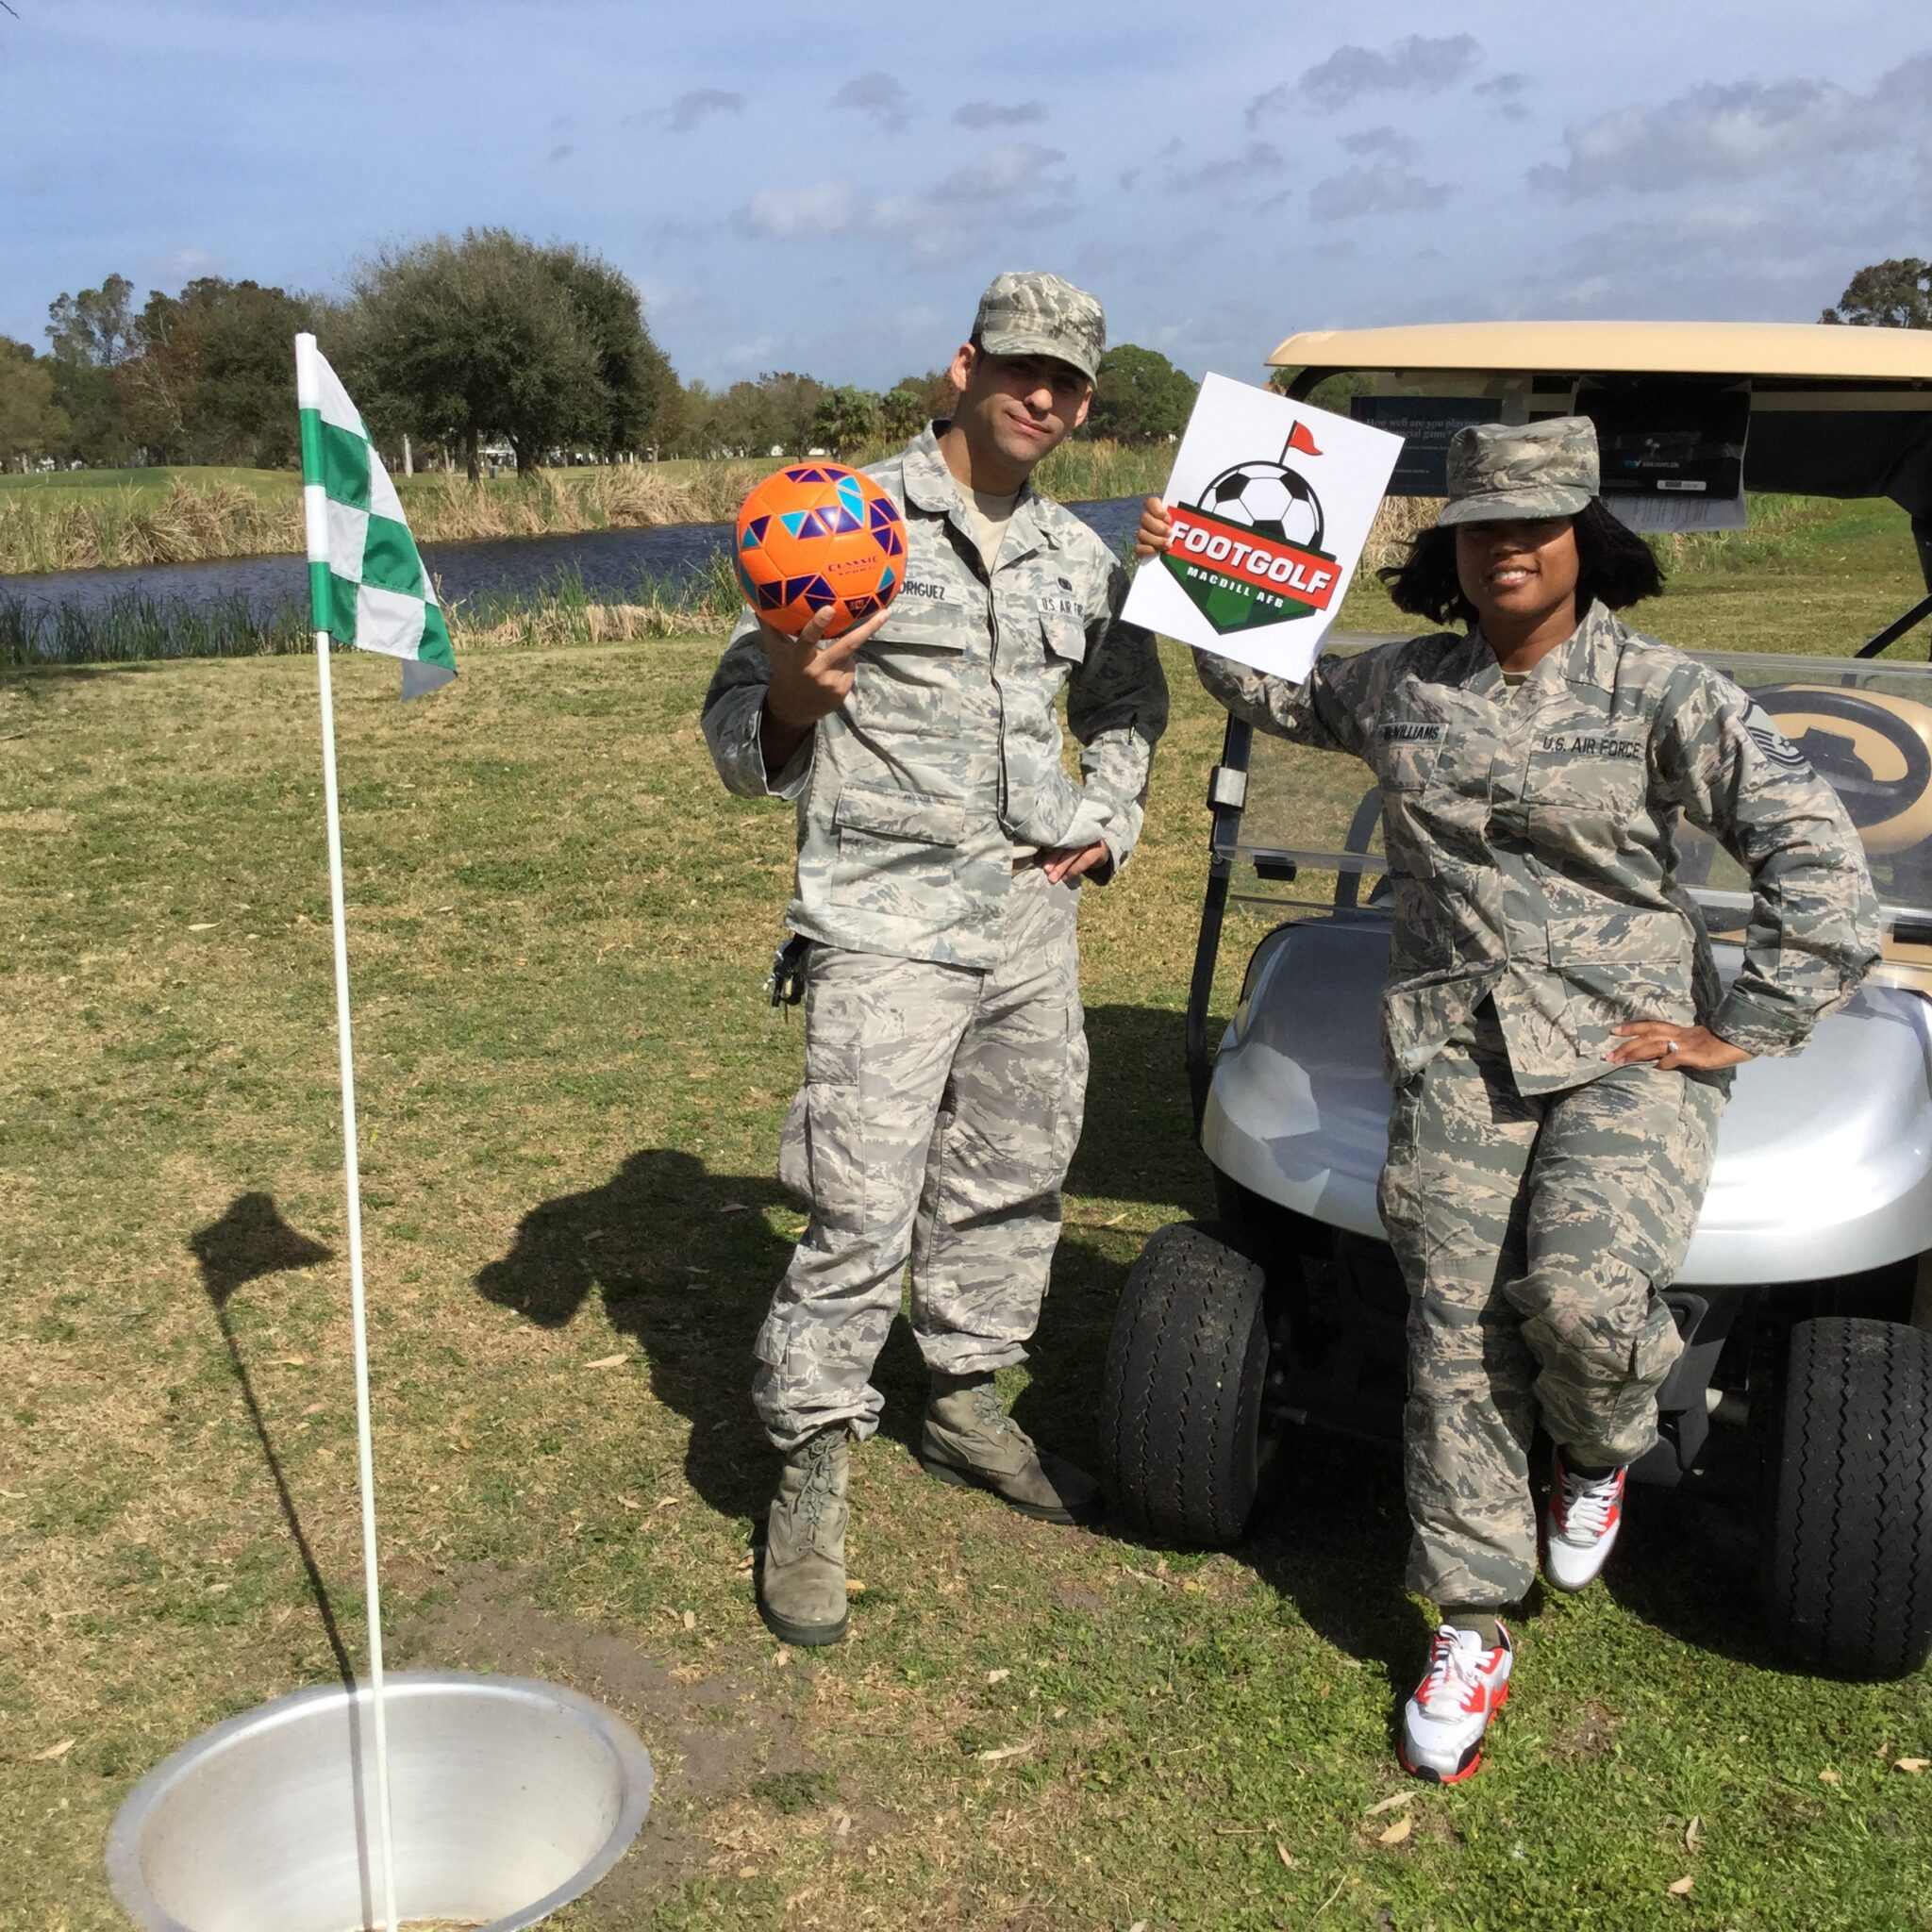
[
  {"x": 1249, "y": 550},
  {"x": 1268, "y": 498}
]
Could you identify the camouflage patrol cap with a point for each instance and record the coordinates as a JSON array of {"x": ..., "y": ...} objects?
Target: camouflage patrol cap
[
  {"x": 1029, "y": 312},
  {"x": 1498, "y": 471}
]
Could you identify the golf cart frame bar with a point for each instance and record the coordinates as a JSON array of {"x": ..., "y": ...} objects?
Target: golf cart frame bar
[{"x": 1874, "y": 384}]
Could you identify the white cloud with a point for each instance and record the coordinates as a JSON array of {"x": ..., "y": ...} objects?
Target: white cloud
[
  {"x": 805, "y": 213},
  {"x": 1743, "y": 131},
  {"x": 1013, "y": 167},
  {"x": 1383, "y": 140},
  {"x": 688, "y": 111},
  {"x": 1717, "y": 257},
  {"x": 995, "y": 114},
  {"x": 1385, "y": 189},
  {"x": 186, "y": 264},
  {"x": 879, "y": 95},
  {"x": 1415, "y": 65},
  {"x": 1012, "y": 183},
  {"x": 1258, "y": 157},
  {"x": 1263, "y": 105}
]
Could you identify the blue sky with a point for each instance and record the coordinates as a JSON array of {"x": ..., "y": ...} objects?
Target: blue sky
[{"x": 827, "y": 189}]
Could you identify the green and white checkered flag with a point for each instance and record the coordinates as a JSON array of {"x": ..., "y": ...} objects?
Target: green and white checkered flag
[{"x": 366, "y": 581}]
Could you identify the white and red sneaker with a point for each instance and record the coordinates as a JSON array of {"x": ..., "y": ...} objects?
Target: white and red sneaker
[
  {"x": 1585, "y": 1516},
  {"x": 1464, "y": 1687}
]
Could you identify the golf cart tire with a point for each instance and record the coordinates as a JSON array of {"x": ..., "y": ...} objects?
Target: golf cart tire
[
  {"x": 1847, "y": 1552},
  {"x": 1181, "y": 1401}
]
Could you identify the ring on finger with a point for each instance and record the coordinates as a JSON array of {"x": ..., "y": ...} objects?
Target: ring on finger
[{"x": 1671, "y": 1048}]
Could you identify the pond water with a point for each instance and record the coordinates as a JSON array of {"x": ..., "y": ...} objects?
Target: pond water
[{"x": 610, "y": 562}]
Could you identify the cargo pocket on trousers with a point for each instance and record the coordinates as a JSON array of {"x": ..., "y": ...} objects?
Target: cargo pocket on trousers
[
  {"x": 1599, "y": 1380},
  {"x": 822, "y": 1152},
  {"x": 1655, "y": 1352},
  {"x": 1071, "y": 1114},
  {"x": 1019, "y": 1137}
]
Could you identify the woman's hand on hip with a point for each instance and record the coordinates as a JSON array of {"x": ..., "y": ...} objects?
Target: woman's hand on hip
[{"x": 1671, "y": 1048}]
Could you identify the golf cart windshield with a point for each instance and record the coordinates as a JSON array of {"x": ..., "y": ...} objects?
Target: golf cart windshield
[
  {"x": 1690, "y": 417},
  {"x": 1312, "y": 829}
]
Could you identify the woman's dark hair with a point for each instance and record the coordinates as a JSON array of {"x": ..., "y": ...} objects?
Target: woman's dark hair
[{"x": 1615, "y": 567}]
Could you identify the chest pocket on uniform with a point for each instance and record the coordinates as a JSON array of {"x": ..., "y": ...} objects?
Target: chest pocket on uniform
[
  {"x": 1406, "y": 750},
  {"x": 1065, "y": 635},
  {"x": 1584, "y": 786},
  {"x": 937, "y": 622}
]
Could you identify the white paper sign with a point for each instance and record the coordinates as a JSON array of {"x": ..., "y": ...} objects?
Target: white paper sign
[{"x": 1271, "y": 502}]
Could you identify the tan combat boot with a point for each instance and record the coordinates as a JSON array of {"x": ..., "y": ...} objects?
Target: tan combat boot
[
  {"x": 802, "y": 1579},
  {"x": 969, "y": 1439}
]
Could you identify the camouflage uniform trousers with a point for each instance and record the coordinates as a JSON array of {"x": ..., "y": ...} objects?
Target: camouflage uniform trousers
[
  {"x": 1535, "y": 1233},
  {"x": 941, "y": 1108}
]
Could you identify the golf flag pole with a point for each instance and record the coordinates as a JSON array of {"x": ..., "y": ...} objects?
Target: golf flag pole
[
  {"x": 316, "y": 518},
  {"x": 365, "y": 1450}
]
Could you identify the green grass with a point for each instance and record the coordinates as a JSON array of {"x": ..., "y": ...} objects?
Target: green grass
[{"x": 571, "y": 1093}]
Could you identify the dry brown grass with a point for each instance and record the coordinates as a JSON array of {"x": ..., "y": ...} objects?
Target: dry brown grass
[
  {"x": 193, "y": 520},
  {"x": 1398, "y": 523},
  {"x": 556, "y": 625},
  {"x": 451, "y": 510},
  {"x": 187, "y": 523}
]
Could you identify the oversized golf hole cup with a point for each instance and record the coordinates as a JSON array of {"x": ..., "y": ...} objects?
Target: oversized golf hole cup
[{"x": 508, "y": 1797}]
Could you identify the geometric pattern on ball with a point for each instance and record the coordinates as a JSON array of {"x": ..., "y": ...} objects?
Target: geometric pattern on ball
[
  {"x": 1269, "y": 499},
  {"x": 815, "y": 535}
]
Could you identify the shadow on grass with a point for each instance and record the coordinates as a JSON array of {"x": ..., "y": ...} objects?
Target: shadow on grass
[
  {"x": 249, "y": 1241},
  {"x": 1708, "y": 1600},
  {"x": 685, "y": 1262},
  {"x": 1331, "y": 1536}
]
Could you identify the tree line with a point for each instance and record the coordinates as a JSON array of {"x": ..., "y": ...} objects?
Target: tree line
[
  {"x": 465, "y": 344},
  {"x": 490, "y": 341}
]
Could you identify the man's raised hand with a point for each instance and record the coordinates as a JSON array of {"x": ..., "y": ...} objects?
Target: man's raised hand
[{"x": 809, "y": 680}]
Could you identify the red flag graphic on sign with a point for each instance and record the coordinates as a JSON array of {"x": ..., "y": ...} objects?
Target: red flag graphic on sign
[{"x": 1298, "y": 438}]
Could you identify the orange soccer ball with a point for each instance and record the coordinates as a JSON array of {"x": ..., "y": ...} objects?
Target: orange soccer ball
[{"x": 818, "y": 535}]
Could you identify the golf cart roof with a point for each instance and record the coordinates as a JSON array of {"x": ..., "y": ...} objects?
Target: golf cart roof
[
  {"x": 1833, "y": 409},
  {"x": 1796, "y": 350}
]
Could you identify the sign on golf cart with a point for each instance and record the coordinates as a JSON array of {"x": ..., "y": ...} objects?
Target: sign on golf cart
[{"x": 1271, "y": 502}]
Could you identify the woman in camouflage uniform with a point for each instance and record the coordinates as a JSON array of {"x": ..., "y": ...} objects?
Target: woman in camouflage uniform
[{"x": 1558, "y": 1042}]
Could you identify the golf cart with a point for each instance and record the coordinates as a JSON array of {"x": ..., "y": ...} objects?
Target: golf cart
[{"x": 1805, "y": 1299}]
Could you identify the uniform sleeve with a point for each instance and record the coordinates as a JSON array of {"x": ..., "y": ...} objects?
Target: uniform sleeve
[
  {"x": 1331, "y": 709},
  {"x": 1814, "y": 929},
  {"x": 1117, "y": 710},
  {"x": 734, "y": 713}
]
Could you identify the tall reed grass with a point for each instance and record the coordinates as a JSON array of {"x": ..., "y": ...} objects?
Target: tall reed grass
[
  {"x": 184, "y": 523},
  {"x": 191, "y": 521}
]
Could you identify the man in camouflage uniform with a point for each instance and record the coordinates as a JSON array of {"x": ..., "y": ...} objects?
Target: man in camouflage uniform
[
  {"x": 939, "y": 844},
  {"x": 1554, "y": 1028}
]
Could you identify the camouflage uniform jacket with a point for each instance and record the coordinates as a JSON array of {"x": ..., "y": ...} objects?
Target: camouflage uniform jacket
[
  {"x": 1531, "y": 842},
  {"x": 913, "y": 795}
]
